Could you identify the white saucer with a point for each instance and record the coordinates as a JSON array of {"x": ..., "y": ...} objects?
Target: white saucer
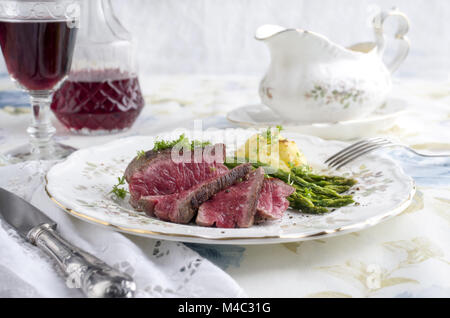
[{"x": 385, "y": 117}]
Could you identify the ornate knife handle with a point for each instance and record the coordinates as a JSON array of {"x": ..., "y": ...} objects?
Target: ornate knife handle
[{"x": 94, "y": 277}]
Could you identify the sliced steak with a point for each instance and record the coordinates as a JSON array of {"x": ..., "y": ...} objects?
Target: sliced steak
[
  {"x": 157, "y": 174},
  {"x": 272, "y": 202},
  {"x": 235, "y": 206},
  {"x": 182, "y": 206}
]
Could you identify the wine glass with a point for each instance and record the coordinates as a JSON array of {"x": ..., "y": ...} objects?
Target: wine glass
[{"x": 37, "y": 39}]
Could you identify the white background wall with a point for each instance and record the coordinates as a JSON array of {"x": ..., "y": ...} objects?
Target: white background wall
[{"x": 216, "y": 36}]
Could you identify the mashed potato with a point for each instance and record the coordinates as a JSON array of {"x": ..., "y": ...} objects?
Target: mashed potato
[{"x": 273, "y": 149}]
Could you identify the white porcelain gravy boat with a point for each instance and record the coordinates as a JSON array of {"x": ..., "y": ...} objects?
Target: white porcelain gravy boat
[{"x": 313, "y": 80}]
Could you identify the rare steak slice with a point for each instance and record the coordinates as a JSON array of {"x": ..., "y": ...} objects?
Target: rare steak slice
[
  {"x": 272, "y": 202},
  {"x": 182, "y": 206},
  {"x": 235, "y": 206},
  {"x": 156, "y": 173}
]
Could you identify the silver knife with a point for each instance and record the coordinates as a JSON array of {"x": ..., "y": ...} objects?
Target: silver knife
[{"x": 95, "y": 278}]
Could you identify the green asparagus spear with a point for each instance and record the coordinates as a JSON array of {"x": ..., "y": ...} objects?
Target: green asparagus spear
[
  {"x": 338, "y": 188},
  {"x": 314, "y": 193},
  {"x": 309, "y": 176},
  {"x": 324, "y": 201},
  {"x": 289, "y": 178},
  {"x": 333, "y": 203},
  {"x": 308, "y": 210},
  {"x": 301, "y": 200}
]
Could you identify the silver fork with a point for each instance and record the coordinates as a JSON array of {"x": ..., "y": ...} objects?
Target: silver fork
[{"x": 363, "y": 147}]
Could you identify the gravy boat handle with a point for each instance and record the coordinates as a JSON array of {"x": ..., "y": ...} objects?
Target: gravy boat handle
[{"x": 403, "y": 29}]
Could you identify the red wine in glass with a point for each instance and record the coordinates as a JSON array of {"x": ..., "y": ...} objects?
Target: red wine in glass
[
  {"x": 98, "y": 102},
  {"x": 38, "y": 54}
]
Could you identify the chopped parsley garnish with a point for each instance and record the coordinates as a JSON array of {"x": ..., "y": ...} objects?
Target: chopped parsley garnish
[
  {"x": 181, "y": 142},
  {"x": 141, "y": 154},
  {"x": 120, "y": 193},
  {"x": 199, "y": 144},
  {"x": 270, "y": 136},
  {"x": 164, "y": 144}
]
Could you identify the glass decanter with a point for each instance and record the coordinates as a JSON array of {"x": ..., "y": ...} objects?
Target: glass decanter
[{"x": 102, "y": 94}]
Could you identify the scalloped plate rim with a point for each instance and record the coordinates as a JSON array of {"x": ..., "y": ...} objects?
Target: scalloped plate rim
[{"x": 263, "y": 239}]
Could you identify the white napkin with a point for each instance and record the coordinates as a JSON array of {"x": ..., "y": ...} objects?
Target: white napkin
[{"x": 160, "y": 268}]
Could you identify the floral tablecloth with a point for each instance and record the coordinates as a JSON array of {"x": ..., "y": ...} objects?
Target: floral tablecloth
[{"x": 408, "y": 256}]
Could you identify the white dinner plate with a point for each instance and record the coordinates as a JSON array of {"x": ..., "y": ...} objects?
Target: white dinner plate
[
  {"x": 383, "y": 118},
  {"x": 81, "y": 185}
]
